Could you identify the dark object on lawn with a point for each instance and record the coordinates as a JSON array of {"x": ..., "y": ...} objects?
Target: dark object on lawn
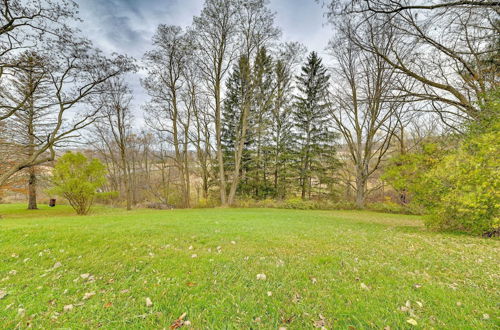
[
  {"x": 159, "y": 206},
  {"x": 492, "y": 233},
  {"x": 52, "y": 202}
]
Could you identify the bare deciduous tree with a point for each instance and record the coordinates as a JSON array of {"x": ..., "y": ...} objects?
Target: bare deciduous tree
[
  {"x": 76, "y": 74},
  {"x": 216, "y": 32},
  {"x": 165, "y": 84},
  {"x": 448, "y": 48},
  {"x": 25, "y": 25},
  {"x": 364, "y": 106},
  {"x": 114, "y": 130}
]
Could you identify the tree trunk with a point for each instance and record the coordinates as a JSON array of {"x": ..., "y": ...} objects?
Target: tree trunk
[
  {"x": 238, "y": 154},
  {"x": 126, "y": 181},
  {"x": 360, "y": 190},
  {"x": 126, "y": 177},
  {"x": 32, "y": 205},
  {"x": 218, "y": 137},
  {"x": 187, "y": 181}
]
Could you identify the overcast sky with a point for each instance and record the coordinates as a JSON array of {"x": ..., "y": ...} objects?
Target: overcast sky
[{"x": 126, "y": 26}]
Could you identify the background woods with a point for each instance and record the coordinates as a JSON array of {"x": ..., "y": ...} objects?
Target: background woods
[{"x": 236, "y": 116}]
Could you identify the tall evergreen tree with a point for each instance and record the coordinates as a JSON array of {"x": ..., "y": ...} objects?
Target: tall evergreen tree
[
  {"x": 314, "y": 140},
  {"x": 231, "y": 114},
  {"x": 236, "y": 113},
  {"x": 260, "y": 124},
  {"x": 30, "y": 124},
  {"x": 281, "y": 132}
]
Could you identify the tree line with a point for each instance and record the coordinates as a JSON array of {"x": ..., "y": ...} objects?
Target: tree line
[{"x": 234, "y": 113}]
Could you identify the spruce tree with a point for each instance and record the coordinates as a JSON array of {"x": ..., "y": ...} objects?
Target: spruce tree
[
  {"x": 260, "y": 125},
  {"x": 31, "y": 123},
  {"x": 281, "y": 132},
  {"x": 314, "y": 141},
  {"x": 235, "y": 115}
]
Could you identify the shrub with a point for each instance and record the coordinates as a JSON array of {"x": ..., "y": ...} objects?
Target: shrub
[
  {"x": 463, "y": 191},
  {"x": 204, "y": 203},
  {"x": 299, "y": 204},
  {"x": 391, "y": 207},
  {"x": 269, "y": 203},
  {"x": 78, "y": 179},
  {"x": 294, "y": 203},
  {"x": 405, "y": 172}
]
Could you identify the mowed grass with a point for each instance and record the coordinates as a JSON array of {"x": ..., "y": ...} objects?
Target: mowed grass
[{"x": 337, "y": 269}]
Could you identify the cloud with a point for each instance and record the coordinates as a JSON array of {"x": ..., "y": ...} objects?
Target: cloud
[
  {"x": 303, "y": 21},
  {"x": 127, "y": 26}
]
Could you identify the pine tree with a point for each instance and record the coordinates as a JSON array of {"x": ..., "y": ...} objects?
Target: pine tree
[
  {"x": 260, "y": 124},
  {"x": 31, "y": 123},
  {"x": 281, "y": 132},
  {"x": 235, "y": 119},
  {"x": 231, "y": 113},
  {"x": 314, "y": 141}
]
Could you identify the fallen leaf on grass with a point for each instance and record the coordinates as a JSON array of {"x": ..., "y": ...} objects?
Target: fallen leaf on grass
[
  {"x": 194, "y": 256},
  {"x": 364, "y": 286},
  {"x": 3, "y": 294},
  {"x": 296, "y": 298},
  {"x": 13, "y": 272},
  {"x": 191, "y": 284},
  {"x": 88, "y": 295},
  {"x": 261, "y": 277},
  {"x": 412, "y": 322},
  {"x": 179, "y": 322},
  {"x": 125, "y": 291},
  {"x": 149, "y": 303},
  {"x": 269, "y": 293},
  {"x": 108, "y": 304},
  {"x": 67, "y": 308},
  {"x": 21, "y": 312},
  {"x": 320, "y": 323},
  {"x": 57, "y": 265},
  {"x": 314, "y": 280},
  {"x": 486, "y": 316},
  {"x": 287, "y": 320}
]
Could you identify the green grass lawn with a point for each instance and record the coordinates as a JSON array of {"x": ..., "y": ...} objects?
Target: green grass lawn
[{"x": 337, "y": 269}]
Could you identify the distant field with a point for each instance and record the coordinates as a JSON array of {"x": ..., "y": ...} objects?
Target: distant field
[{"x": 334, "y": 269}]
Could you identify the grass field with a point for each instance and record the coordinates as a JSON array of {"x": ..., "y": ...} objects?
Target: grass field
[{"x": 331, "y": 269}]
